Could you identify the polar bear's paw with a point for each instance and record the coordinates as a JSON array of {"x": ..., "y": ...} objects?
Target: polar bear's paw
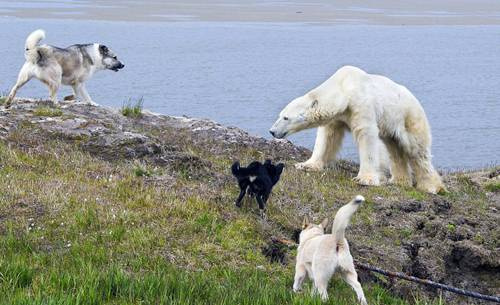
[
  {"x": 309, "y": 166},
  {"x": 367, "y": 179},
  {"x": 433, "y": 187}
]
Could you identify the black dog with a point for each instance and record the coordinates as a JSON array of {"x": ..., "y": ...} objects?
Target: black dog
[{"x": 257, "y": 180}]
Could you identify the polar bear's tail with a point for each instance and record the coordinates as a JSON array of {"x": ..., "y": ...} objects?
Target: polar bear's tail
[
  {"x": 31, "y": 43},
  {"x": 343, "y": 217}
]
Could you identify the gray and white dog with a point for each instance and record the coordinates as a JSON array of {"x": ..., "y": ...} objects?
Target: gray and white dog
[{"x": 70, "y": 66}]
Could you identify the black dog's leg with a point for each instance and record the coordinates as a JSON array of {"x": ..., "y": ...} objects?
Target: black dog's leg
[
  {"x": 260, "y": 200},
  {"x": 240, "y": 197},
  {"x": 262, "y": 205}
]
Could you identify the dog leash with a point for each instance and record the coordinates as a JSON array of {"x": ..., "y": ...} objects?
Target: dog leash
[{"x": 404, "y": 276}]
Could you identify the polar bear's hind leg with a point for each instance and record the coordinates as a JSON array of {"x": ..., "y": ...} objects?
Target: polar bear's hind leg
[
  {"x": 400, "y": 172},
  {"x": 426, "y": 176},
  {"x": 328, "y": 142},
  {"x": 416, "y": 142}
]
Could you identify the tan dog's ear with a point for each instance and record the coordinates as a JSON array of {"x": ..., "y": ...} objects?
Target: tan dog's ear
[
  {"x": 324, "y": 223},
  {"x": 305, "y": 223}
]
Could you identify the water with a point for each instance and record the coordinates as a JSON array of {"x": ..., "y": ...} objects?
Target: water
[{"x": 243, "y": 74}]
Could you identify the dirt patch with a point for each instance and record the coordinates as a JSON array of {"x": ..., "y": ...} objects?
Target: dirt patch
[{"x": 277, "y": 250}]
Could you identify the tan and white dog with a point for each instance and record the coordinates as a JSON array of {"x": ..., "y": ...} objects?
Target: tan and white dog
[{"x": 319, "y": 255}]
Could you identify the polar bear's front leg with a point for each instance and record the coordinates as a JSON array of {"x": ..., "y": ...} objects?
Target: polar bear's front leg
[
  {"x": 368, "y": 147},
  {"x": 328, "y": 142}
]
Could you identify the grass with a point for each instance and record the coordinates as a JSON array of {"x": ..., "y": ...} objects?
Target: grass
[
  {"x": 47, "y": 111},
  {"x": 133, "y": 110},
  {"x": 79, "y": 230},
  {"x": 2, "y": 100},
  {"x": 76, "y": 229},
  {"x": 492, "y": 187}
]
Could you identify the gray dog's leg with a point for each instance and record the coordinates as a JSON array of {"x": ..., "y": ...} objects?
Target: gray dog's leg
[
  {"x": 24, "y": 76},
  {"x": 83, "y": 94}
]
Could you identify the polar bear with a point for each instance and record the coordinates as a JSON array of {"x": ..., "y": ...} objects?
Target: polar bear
[{"x": 377, "y": 111}]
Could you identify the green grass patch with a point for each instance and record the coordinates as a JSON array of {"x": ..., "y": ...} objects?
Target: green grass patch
[
  {"x": 2, "y": 100},
  {"x": 47, "y": 111},
  {"x": 92, "y": 273},
  {"x": 492, "y": 187},
  {"x": 416, "y": 194},
  {"x": 133, "y": 109},
  {"x": 140, "y": 171}
]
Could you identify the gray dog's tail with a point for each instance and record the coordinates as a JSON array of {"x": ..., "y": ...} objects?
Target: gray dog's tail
[
  {"x": 343, "y": 218},
  {"x": 31, "y": 43}
]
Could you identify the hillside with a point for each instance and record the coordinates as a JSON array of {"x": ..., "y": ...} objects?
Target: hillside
[{"x": 101, "y": 208}]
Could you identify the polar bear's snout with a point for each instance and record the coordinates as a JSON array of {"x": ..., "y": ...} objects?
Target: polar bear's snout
[
  {"x": 277, "y": 135},
  {"x": 277, "y": 131}
]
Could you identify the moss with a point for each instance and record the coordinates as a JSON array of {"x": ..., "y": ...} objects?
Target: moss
[
  {"x": 451, "y": 227},
  {"x": 47, "y": 112}
]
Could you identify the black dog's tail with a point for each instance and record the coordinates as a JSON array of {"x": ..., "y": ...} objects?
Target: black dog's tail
[{"x": 243, "y": 172}]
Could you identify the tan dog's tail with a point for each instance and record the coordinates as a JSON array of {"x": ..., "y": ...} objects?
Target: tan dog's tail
[
  {"x": 343, "y": 218},
  {"x": 32, "y": 41}
]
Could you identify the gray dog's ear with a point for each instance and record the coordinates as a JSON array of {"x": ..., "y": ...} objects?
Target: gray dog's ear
[
  {"x": 103, "y": 49},
  {"x": 324, "y": 223},
  {"x": 305, "y": 222}
]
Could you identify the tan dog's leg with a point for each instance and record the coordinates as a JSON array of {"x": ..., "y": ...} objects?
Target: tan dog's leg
[
  {"x": 300, "y": 275},
  {"x": 323, "y": 271},
  {"x": 351, "y": 277}
]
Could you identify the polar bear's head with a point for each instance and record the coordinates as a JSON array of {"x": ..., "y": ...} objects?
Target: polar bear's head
[{"x": 300, "y": 114}]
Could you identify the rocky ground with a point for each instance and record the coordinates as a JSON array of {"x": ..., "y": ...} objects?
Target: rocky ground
[{"x": 453, "y": 238}]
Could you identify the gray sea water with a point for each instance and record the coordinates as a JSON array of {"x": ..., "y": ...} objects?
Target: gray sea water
[{"x": 243, "y": 74}]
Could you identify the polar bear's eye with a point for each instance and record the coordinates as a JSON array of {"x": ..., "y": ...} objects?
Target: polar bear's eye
[{"x": 285, "y": 118}]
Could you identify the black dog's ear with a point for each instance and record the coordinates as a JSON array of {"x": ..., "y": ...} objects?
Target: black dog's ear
[
  {"x": 103, "y": 49},
  {"x": 268, "y": 162},
  {"x": 235, "y": 168}
]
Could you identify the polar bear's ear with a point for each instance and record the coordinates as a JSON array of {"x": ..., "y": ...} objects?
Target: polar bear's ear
[{"x": 314, "y": 104}]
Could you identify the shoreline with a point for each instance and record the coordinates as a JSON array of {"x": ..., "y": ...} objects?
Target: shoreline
[{"x": 444, "y": 12}]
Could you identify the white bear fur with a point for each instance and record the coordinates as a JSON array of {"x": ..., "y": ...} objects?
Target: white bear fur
[{"x": 377, "y": 111}]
